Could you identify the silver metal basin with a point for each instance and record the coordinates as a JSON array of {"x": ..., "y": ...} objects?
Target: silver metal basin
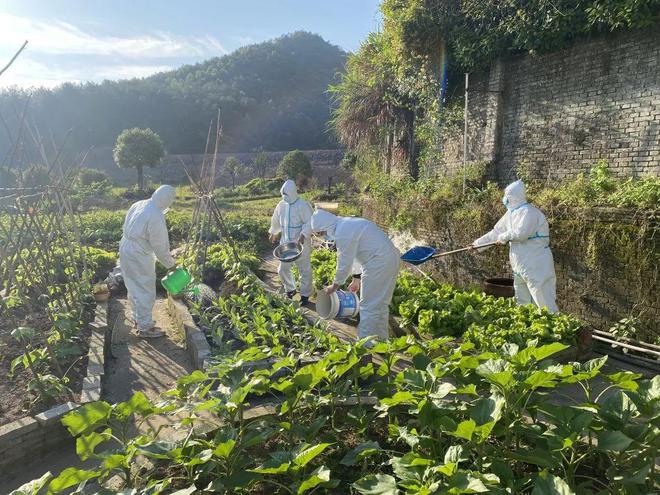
[{"x": 288, "y": 252}]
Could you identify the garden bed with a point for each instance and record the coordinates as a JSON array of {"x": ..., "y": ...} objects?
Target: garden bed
[
  {"x": 39, "y": 429},
  {"x": 15, "y": 405}
]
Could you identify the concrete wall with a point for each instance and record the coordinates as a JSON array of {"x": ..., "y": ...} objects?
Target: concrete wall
[
  {"x": 555, "y": 115},
  {"x": 325, "y": 163}
]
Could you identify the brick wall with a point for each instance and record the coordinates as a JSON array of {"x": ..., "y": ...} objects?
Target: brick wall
[
  {"x": 555, "y": 115},
  {"x": 325, "y": 163},
  {"x": 594, "y": 282}
]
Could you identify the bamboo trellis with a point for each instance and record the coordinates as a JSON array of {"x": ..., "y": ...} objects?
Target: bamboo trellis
[
  {"x": 42, "y": 260},
  {"x": 208, "y": 221}
]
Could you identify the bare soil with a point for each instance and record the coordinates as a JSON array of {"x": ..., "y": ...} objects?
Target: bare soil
[{"x": 15, "y": 402}]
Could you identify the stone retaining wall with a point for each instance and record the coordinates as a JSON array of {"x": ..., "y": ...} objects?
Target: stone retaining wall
[{"x": 553, "y": 116}]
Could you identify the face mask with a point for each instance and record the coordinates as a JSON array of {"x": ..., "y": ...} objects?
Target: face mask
[
  {"x": 505, "y": 202},
  {"x": 329, "y": 237}
]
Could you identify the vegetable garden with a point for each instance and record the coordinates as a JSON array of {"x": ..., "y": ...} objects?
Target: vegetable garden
[{"x": 303, "y": 412}]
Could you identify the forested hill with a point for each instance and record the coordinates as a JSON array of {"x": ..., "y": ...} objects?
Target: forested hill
[{"x": 271, "y": 94}]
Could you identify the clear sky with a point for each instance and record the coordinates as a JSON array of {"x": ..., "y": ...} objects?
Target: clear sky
[{"x": 93, "y": 40}]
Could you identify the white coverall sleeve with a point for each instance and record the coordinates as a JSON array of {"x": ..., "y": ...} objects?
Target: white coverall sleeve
[
  {"x": 523, "y": 225},
  {"x": 346, "y": 251},
  {"x": 493, "y": 235},
  {"x": 275, "y": 227},
  {"x": 306, "y": 220},
  {"x": 160, "y": 241}
]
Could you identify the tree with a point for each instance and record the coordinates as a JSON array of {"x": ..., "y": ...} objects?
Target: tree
[
  {"x": 260, "y": 164},
  {"x": 232, "y": 167},
  {"x": 295, "y": 165},
  {"x": 138, "y": 148}
]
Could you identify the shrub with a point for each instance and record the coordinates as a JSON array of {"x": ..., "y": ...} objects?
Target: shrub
[
  {"x": 91, "y": 183},
  {"x": 100, "y": 262},
  {"x": 34, "y": 176},
  {"x": 7, "y": 177},
  {"x": 296, "y": 166}
]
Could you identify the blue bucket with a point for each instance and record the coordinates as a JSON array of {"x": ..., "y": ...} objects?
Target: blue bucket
[
  {"x": 339, "y": 304},
  {"x": 348, "y": 304}
]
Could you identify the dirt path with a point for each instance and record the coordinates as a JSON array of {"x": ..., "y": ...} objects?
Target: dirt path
[
  {"x": 151, "y": 366},
  {"x": 345, "y": 330}
]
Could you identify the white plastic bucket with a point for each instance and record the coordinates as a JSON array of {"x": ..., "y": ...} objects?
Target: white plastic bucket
[{"x": 340, "y": 304}]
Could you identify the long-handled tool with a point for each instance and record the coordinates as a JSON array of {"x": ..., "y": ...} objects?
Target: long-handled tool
[{"x": 421, "y": 254}]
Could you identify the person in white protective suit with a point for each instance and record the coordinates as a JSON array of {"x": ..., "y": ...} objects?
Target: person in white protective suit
[
  {"x": 366, "y": 252},
  {"x": 291, "y": 222},
  {"x": 526, "y": 229},
  {"x": 144, "y": 240}
]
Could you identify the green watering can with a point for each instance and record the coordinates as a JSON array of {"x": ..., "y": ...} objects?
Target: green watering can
[{"x": 178, "y": 281}]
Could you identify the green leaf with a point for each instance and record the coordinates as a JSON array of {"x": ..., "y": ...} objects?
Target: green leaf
[
  {"x": 376, "y": 484},
  {"x": 401, "y": 397},
  {"x": 496, "y": 371},
  {"x": 273, "y": 466},
  {"x": 87, "y": 418},
  {"x": 137, "y": 404},
  {"x": 194, "y": 377},
  {"x": 465, "y": 429},
  {"x": 549, "y": 484},
  {"x": 541, "y": 379},
  {"x": 616, "y": 441},
  {"x": 86, "y": 444},
  {"x": 113, "y": 461},
  {"x": 625, "y": 379},
  {"x": 617, "y": 410},
  {"x": 320, "y": 476},
  {"x": 33, "y": 487},
  {"x": 539, "y": 457},
  {"x": 650, "y": 389},
  {"x": 468, "y": 390},
  {"x": 308, "y": 454},
  {"x": 360, "y": 452},
  {"x": 548, "y": 350},
  {"x": 467, "y": 482},
  {"x": 586, "y": 371},
  {"x": 488, "y": 410},
  {"x": 70, "y": 477},
  {"x": 224, "y": 449}
]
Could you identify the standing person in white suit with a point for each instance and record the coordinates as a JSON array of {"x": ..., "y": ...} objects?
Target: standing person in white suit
[
  {"x": 366, "y": 252},
  {"x": 291, "y": 222},
  {"x": 144, "y": 240},
  {"x": 526, "y": 229}
]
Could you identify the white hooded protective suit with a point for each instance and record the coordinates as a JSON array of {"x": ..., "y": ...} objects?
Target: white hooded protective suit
[
  {"x": 292, "y": 217},
  {"x": 526, "y": 229},
  {"x": 362, "y": 247},
  {"x": 145, "y": 239}
]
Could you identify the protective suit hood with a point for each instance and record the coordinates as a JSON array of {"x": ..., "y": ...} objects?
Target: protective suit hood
[
  {"x": 324, "y": 221},
  {"x": 515, "y": 195},
  {"x": 163, "y": 197},
  {"x": 289, "y": 192}
]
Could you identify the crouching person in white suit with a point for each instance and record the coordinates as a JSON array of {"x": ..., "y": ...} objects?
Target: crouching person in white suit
[
  {"x": 526, "y": 230},
  {"x": 366, "y": 252},
  {"x": 291, "y": 222}
]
